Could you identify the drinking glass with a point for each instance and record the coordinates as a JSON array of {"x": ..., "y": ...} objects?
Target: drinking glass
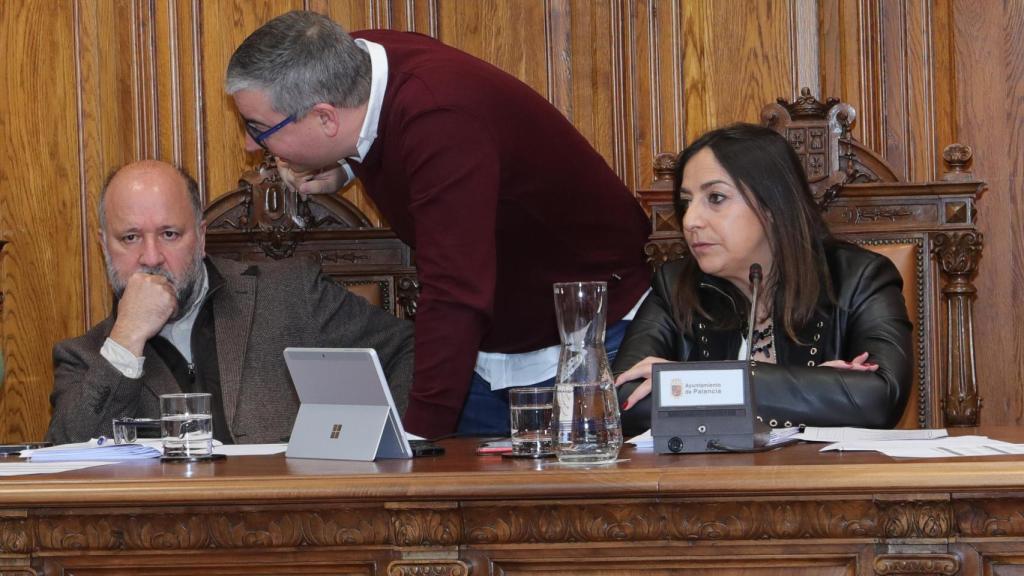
[
  {"x": 530, "y": 413},
  {"x": 186, "y": 425}
]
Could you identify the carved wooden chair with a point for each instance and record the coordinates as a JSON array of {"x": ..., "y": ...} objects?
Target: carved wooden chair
[
  {"x": 262, "y": 219},
  {"x": 926, "y": 228}
]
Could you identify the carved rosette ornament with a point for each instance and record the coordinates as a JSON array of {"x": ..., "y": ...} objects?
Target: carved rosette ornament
[{"x": 957, "y": 255}]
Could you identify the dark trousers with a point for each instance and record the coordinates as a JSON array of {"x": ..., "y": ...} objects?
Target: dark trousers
[{"x": 485, "y": 412}]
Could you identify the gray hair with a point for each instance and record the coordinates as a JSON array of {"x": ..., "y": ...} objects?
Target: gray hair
[
  {"x": 190, "y": 185},
  {"x": 301, "y": 59}
]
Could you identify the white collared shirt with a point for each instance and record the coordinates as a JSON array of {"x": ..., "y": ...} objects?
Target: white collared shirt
[
  {"x": 178, "y": 333},
  {"x": 527, "y": 368},
  {"x": 378, "y": 84}
]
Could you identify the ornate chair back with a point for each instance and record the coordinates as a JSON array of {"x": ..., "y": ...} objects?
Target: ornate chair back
[{"x": 262, "y": 220}]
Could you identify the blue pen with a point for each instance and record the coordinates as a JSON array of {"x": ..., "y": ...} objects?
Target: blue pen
[{"x": 101, "y": 440}]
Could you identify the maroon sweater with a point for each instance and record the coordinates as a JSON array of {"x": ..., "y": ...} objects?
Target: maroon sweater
[{"x": 500, "y": 197}]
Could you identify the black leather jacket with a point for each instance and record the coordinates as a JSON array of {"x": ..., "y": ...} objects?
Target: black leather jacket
[{"x": 869, "y": 315}]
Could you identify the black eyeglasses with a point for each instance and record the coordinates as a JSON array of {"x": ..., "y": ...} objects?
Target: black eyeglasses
[{"x": 258, "y": 137}]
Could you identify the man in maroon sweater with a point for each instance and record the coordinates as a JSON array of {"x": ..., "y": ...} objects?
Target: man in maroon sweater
[{"x": 496, "y": 191}]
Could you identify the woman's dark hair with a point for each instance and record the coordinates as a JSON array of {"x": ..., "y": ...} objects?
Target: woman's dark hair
[{"x": 771, "y": 178}]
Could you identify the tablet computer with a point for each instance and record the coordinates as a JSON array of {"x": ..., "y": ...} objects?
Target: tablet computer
[{"x": 346, "y": 411}]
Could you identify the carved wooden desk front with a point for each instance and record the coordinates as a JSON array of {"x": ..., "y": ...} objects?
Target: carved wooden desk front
[{"x": 791, "y": 511}]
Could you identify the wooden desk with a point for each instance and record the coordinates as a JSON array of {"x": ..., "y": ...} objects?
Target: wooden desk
[{"x": 791, "y": 511}]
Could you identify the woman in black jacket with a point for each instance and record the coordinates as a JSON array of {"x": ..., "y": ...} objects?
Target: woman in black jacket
[{"x": 832, "y": 340}]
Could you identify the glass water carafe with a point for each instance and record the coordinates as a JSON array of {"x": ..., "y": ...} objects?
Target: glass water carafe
[{"x": 586, "y": 410}]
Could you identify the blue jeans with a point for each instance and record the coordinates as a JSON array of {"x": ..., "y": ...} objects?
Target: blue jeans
[{"x": 485, "y": 412}]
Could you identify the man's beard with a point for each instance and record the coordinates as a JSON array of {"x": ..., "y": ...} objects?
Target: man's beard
[{"x": 186, "y": 289}]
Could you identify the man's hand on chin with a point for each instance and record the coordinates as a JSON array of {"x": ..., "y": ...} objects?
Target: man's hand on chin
[
  {"x": 146, "y": 305},
  {"x": 326, "y": 180}
]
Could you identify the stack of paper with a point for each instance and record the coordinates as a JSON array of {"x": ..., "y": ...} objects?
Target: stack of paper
[
  {"x": 848, "y": 434},
  {"x": 932, "y": 448},
  {"x": 22, "y": 468},
  {"x": 94, "y": 451}
]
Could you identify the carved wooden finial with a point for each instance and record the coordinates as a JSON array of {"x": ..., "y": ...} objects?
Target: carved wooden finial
[
  {"x": 807, "y": 106},
  {"x": 664, "y": 166},
  {"x": 958, "y": 158}
]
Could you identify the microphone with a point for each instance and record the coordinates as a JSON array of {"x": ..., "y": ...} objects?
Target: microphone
[{"x": 755, "y": 284}]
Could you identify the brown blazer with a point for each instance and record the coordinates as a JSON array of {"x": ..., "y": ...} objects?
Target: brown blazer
[{"x": 259, "y": 311}]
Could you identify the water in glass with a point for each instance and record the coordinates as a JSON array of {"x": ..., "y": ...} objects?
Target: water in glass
[
  {"x": 530, "y": 412},
  {"x": 187, "y": 435}
]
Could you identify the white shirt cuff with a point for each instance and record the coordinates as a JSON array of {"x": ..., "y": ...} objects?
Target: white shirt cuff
[{"x": 121, "y": 358}]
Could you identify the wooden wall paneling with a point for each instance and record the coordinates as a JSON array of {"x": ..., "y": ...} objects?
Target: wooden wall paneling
[
  {"x": 850, "y": 62},
  {"x": 558, "y": 36},
  {"x": 943, "y": 76},
  {"x": 668, "y": 132},
  {"x": 224, "y": 25},
  {"x": 361, "y": 15},
  {"x": 869, "y": 71},
  {"x": 880, "y": 57},
  {"x": 893, "y": 90},
  {"x": 905, "y": 87},
  {"x": 414, "y": 15},
  {"x": 652, "y": 86},
  {"x": 178, "y": 86},
  {"x": 805, "y": 38},
  {"x": 923, "y": 151},
  {"x": 639, "y": 78},
  {"x": 990, "y": 117},
  {"x": 623, "y": 97},
  {"x": 738, "y": 56},
  {"x": 506, "y": 33},
  {"x": 41, "y": 214},
  {"x": 586, "y": 75},
  {"x": 351, "y": 14},
  {"x": 111, "y": 130}
]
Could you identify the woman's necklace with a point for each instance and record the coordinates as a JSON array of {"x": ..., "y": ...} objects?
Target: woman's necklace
[{"x": 763, "y": 340}]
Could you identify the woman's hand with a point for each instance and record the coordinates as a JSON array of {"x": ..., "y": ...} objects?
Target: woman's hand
[
  {"x": 326, "y": 180},
  {"x": 641, "y": 369},
  {"x": 859, "y": 364}
]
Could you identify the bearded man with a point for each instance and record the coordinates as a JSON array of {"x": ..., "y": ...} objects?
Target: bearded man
[{"x": 187, "y": 323}]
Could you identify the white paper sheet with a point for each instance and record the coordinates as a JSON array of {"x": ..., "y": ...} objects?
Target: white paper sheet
[
  {"x": 96, "y": 449},
  {"x": 847, "y": 434},
  {"x": 17, "y": 468},
  {"x": 250, "y": 449},
  {"x": 936, "y": 448}
]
